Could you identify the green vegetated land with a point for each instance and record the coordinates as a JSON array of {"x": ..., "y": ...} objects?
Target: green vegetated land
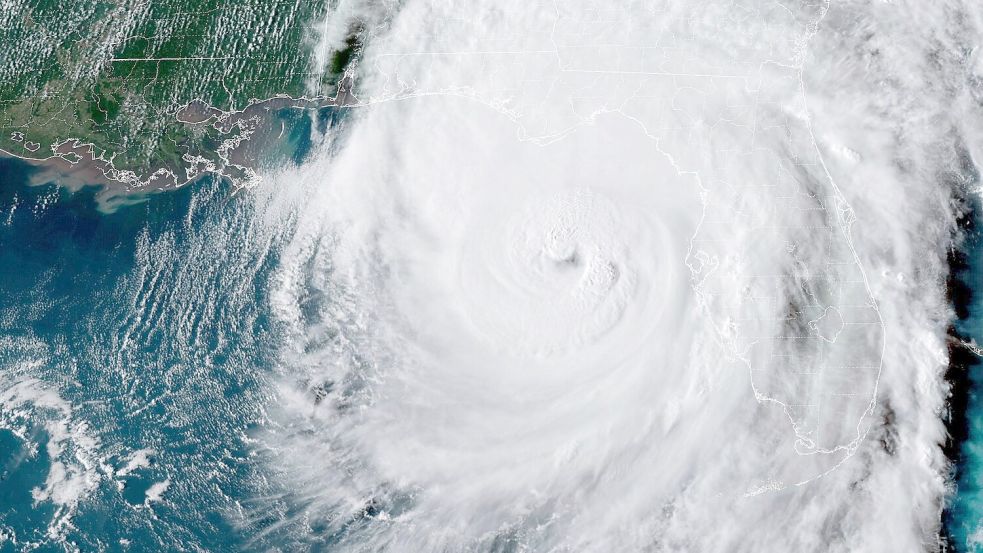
[{"x": 115, "y": 73}]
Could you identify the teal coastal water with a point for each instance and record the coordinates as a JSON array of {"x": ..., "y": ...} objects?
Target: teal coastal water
[
  {"x": 964, "y": 517},
  {"x": 134, "y": 348},
  {"x": 104, "y": 309}
]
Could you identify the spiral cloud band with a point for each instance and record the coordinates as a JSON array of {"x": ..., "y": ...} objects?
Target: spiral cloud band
[
  {"x": 584, "y": 277},
  {"x": 492, "y": 276}
]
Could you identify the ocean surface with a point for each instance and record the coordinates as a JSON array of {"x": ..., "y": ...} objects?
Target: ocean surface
[
  {"x": 517, "y": 301},
  {"x": 964, "y": 518},
  {"x": 136, "y": 348},
  {"x": 132, "y": 345}
]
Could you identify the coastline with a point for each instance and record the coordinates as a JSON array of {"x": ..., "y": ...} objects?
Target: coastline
[{"x": 74, "y": 163}]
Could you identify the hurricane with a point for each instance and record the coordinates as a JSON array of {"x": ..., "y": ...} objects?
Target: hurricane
[
  {"x": 616, "y": 310},
  {"x": 543, "y": 277}
]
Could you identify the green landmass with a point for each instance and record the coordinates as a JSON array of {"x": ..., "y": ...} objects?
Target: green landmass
[{"x": 115, "y": 74}]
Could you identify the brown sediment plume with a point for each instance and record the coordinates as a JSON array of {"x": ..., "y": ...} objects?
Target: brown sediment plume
[{"x": 74, "y": 163}]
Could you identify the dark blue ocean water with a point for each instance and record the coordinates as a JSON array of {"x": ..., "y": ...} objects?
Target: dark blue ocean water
[
  {"x": 965, "y": 513},
  {"x": 149, "y": 329},
  {"x": 177, "y": 376},
  {"x": 146, "y": 329}
]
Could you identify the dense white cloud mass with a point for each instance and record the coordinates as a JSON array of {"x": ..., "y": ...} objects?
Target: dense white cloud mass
[
  {"x": 594, "y": 276},
  {"x": 28, "y": 409}
]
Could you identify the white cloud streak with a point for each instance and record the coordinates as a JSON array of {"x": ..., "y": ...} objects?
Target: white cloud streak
[{"x": 655, "y": 277}]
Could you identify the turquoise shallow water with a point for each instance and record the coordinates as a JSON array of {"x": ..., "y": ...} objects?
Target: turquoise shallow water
[
  {"x": 137, "y": 344},
  {"x": 964, "y": 516}
]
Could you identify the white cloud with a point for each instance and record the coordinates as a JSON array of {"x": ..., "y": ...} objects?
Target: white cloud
[
  {"x": 27, "y": 406},
  {"x": 566, "y": 286}
]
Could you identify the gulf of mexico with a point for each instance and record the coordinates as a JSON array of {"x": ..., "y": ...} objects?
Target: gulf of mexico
[{"x": 141, "y": 335}]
